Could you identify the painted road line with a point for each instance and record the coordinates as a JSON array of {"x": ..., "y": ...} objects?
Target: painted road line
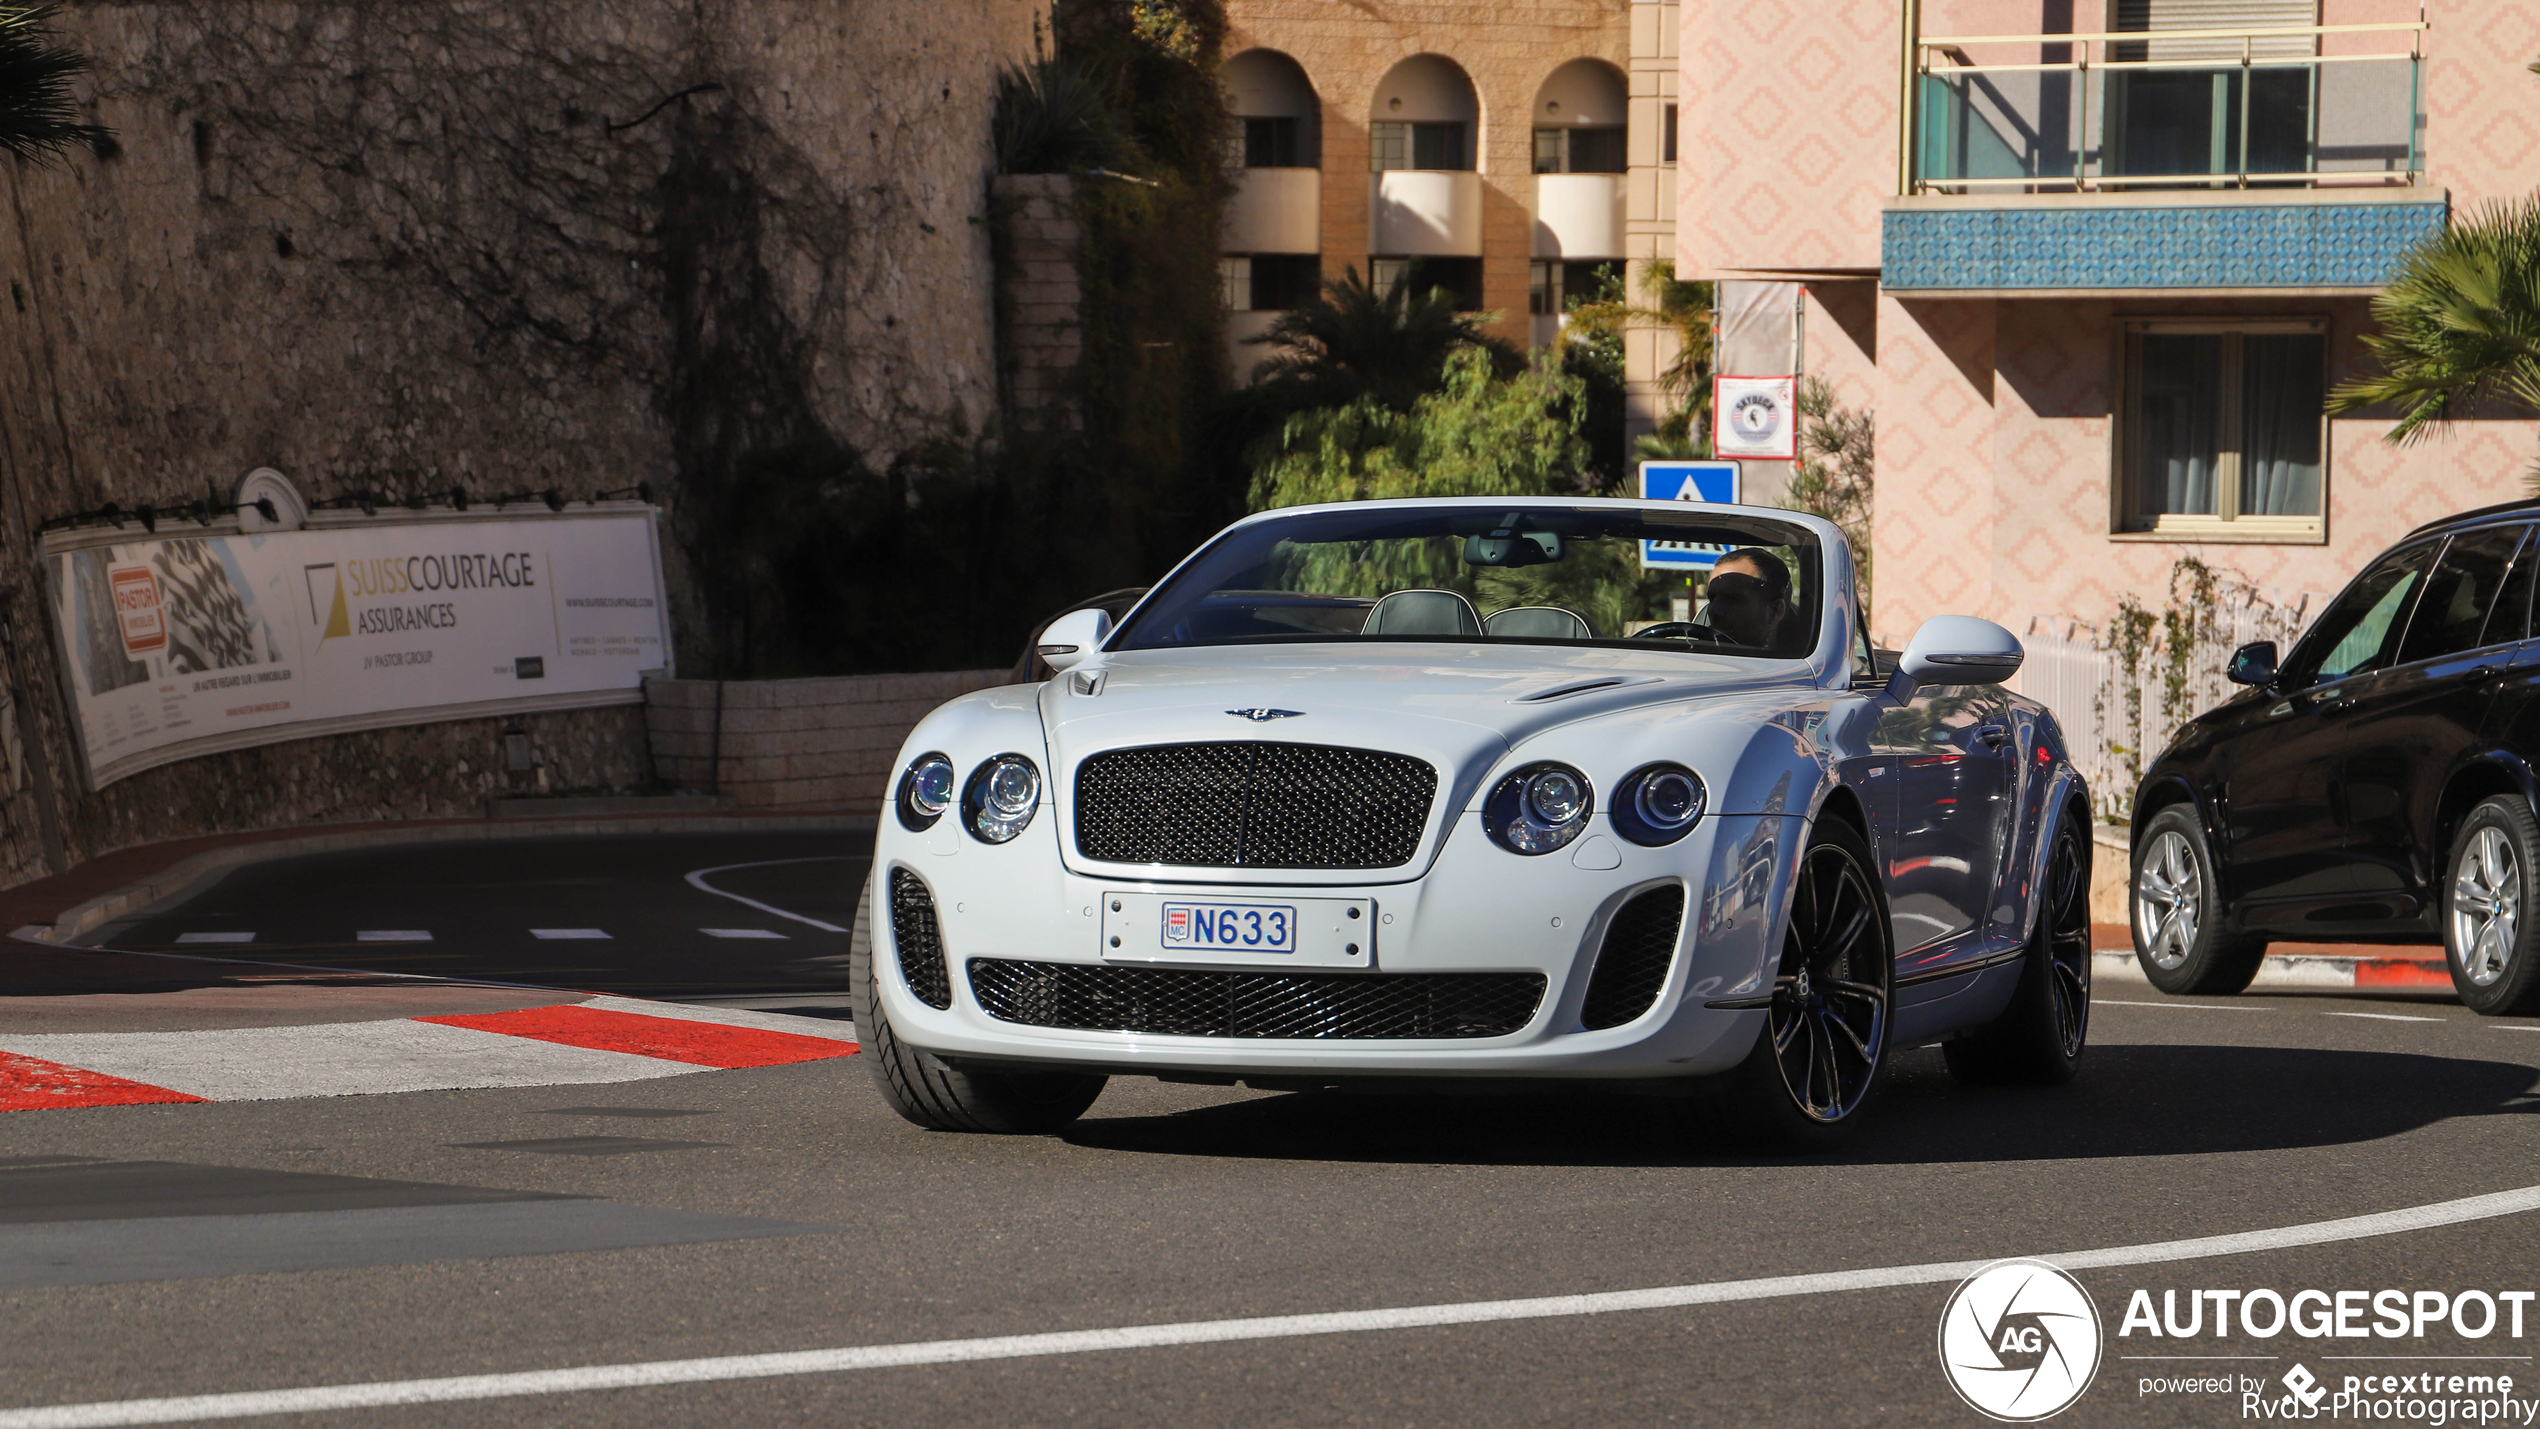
[
  {"x": 34, "y": 1084},
  {"x": 554, "y": 934},
  {"x": 337, "y": 1059},
  {"x": 741, "y": 932},
  {"x": 2385, "y": 1017},
  {"x": 393, "y": 935},
  {"x": 462, "y": 1388},
  {"x": 216, "y": 937},
  {"x": 2191, "y": 1006},
  {"x": 705, "y": 1044},
  {"x": 728, "y": 1016},
  {"x": 697, "y": 880}
]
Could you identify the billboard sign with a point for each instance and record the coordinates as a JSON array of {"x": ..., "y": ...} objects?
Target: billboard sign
[
  {"x": 1756, "y": 417},
  {"x": 177, "y": 644},
  {"x": 1708, "y": 481}
]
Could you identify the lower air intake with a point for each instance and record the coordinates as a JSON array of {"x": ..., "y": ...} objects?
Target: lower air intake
[
  {"x": 1632, "y": 965},
  {"x": 921, "y": 944},
  {"x": 1180, "y": 1003}
]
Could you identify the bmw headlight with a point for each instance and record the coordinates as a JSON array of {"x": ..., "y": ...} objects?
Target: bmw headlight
[
  {"x": 926, "y": 790},
  {"x": 1000, "y": 798},
  {"x": 1539, "y": 808},
  {"x": 1658, "y": 804}
]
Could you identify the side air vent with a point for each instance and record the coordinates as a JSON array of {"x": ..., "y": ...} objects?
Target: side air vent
[
  {"x": 920, "y": 942},
  {"x": 1632, "y": 965}
]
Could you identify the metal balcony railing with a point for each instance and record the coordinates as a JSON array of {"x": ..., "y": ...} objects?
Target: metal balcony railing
[{"x": 2282, "y": 106}]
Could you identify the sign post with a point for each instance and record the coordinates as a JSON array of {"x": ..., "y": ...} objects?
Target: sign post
[{"x": 1714, "y": 482}]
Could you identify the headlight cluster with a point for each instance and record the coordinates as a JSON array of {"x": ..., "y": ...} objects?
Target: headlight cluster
[
  {"x": 996, "y": 804},
  {"x": 1544, "y": 807}
]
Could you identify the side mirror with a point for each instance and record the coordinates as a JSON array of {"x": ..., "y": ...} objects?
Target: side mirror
[
  {"x": 1072, "y": 637},
  {"x": 2252, "y": 664},
  {"x": 1956, "y": 650}
]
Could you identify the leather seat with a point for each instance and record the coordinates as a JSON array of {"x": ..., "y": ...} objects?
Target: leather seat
[{"x": 1423, "y": 612}]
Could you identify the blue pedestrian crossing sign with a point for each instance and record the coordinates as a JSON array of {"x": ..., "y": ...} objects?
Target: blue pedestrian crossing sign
[{"x": 1713, "y": 481}]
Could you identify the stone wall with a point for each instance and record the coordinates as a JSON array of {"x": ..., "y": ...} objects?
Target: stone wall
[
  {"x": 404, "y": 245},
  {"x": 772, "y": 744},
  {"x": 1043, "y": 295}
]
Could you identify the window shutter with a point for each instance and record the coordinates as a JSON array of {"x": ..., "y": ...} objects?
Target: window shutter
[{"x": 2218, "y": 15}]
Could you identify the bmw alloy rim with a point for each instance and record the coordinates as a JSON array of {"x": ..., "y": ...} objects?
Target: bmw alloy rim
[
  {"x": 2486, "y": 906},
  {"x": 2068, "y": 940},
  {"x": 2169, "y": 900},
  {"x": 1828, "y": 1023}
]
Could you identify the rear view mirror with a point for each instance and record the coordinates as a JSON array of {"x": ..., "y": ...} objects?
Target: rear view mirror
[
  {"x": 1508, "y": 546},
  {"x": 1957, "y": 650},
  {"x": 1072, "y": 637},
  {"x": 2252, "y": 664}
]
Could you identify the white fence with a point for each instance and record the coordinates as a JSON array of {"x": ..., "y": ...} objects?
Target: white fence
[{"x": 2116, "y": 719}]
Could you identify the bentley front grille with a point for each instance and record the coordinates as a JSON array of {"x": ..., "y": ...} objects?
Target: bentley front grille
[
  {"x": 1253, "y": 804},
  {"x": 920, "y": 942},
  {"x": 1632, "y": 965},
  {"x": 1179, "y": 1003}
]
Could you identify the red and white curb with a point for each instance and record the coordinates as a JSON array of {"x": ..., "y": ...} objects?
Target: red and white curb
[
  {"x": 2303, "y": 970},
  {"x": 606, "y": 1039}
]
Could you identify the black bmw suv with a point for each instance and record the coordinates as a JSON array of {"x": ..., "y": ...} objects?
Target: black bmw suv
[{"x": 2374, "y": 785}]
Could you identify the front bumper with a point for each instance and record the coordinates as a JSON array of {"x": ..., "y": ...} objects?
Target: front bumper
[{"x": 1477, "y": 909}]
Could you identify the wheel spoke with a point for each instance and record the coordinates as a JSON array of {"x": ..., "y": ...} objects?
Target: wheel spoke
[{"x": 1860, "y": 1046}]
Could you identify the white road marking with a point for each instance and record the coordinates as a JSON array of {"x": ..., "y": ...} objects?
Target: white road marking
[
  {"x": 2385, "y": 1016},
  {"x": 553, "y": 934},
  {"x": 460, "y": 1388},
  {"x": 393, "y": 935},
  {"x": 2516, "y": 1027},
  {"x": 697, "y": 880},
  {"x": 2196, "y": 1006},
  {"x": 740, "y": 932},
  {"x": 337, "y": 1059},
  {"x": 835, "y": 1027},
  {"x": 216, "y": 937}
]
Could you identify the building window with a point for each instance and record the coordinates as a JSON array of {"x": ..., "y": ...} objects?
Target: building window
[
  {"x": 1461, "y": 277},
  {"x": 2222, "y": 429},
  {"x": 1555, "y": 287},
  {"x": 1234, "y": 282},
  {"x": 1269, "y": 282},
  {"x": 1586, "y": 150},
  {"x": 1274, "y": 144},
  {"x": 1667, "y": 136},
  {"x": 1394, "y": 144}
]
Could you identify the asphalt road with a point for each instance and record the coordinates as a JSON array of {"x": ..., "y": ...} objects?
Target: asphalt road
[{"x": 420, "y": 1235}]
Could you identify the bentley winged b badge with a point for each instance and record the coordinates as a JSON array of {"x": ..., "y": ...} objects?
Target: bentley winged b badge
[{"x": 1258, "y": 715}]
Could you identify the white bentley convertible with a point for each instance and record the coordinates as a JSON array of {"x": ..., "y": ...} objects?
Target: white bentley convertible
[{"x": 1396, "y": 794}]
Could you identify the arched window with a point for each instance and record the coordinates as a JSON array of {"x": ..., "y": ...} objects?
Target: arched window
[
  {"x": 1275, "y": 111},
  {"x": 1579, "y": 119},
  {"x": 1426, "y": 116}
]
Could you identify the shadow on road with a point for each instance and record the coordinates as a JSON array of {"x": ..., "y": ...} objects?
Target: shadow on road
[{"x": 2151, "y": 1100}]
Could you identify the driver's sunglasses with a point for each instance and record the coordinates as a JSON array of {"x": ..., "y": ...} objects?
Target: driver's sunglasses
[{"x": 1738, "y": 588}]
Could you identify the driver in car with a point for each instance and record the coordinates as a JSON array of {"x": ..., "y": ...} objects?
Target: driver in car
[{"x": 1750, "y": 597}]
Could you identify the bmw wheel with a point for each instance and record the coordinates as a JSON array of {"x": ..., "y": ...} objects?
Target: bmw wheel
[
  {"x": 2039, "y": 1039},
  {"x": 2177, "y": 915},
  {"x": 2486, "y": 940},
  {"x": 935, "y": 1095},
  {"x": 1825, "y": 1034}
]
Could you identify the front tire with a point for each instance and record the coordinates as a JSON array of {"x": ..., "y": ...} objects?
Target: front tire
[
  {"x": 1807, "y": 1084},
  {"x": 2495, "y": 874},
  {"x": 2038, "y": 1040},
  {"x": 2176, "y": 912},
  {"x": 923, "y": 1088}
]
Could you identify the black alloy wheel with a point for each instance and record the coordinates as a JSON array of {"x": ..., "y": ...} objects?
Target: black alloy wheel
[
  {"x": 2038, "y": 1040},
  {"x": 1825, "y": 1032}
]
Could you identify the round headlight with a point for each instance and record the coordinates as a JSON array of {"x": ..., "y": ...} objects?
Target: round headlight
[
  {"x": 1539, "y": 808},
  {"x": 926, "y": 790},
  {"x": 1000, "y": 798},
  {"x": 1659, "y": 804}
]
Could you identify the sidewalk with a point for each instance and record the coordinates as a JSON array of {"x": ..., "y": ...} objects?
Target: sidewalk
[{"x": 2291, "y": 965}]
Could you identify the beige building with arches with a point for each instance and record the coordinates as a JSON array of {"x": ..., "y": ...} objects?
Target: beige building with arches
[{"x": 1509, "y": 155}]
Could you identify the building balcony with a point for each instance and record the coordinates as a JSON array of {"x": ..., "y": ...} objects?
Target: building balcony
[
  {"x": 1580, "y": 216},
  {"x": 2217, "y": 160},
  {"x": 1426, "y": 213},
  {"x": 1276, "y": 211}
]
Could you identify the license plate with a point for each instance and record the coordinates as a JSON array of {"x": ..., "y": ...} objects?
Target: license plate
[
  {"x": 1231, "y": 927},
  {"x": 1238, "y": 931}
]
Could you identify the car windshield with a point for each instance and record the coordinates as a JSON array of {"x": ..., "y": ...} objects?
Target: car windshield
[{"x": 1696, "y": 579}]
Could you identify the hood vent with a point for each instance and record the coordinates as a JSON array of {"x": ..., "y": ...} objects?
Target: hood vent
[{"x": 1580, "y": 687}]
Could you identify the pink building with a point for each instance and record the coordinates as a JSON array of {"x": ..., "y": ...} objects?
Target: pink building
[{"x": 2093, "y": 265}]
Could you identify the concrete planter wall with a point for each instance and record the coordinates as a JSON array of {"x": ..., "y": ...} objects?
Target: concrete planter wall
[{"x": 820, "y": 743}]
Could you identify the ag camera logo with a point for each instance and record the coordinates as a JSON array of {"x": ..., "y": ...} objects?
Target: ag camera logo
[{"x": 2019, "y": 1341}]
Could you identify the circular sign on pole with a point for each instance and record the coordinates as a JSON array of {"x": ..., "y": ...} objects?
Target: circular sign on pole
[{"x": 1756, "y": 417}]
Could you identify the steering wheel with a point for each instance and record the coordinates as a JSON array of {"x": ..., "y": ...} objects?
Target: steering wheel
[{"x": 1680, "y": 630}]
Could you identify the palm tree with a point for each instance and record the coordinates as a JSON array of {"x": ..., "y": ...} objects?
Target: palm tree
[
  {"x": 37, "y": 117},
  {"x": 1354, "y": 342},
  {"x": 2459, "y": 325}
]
